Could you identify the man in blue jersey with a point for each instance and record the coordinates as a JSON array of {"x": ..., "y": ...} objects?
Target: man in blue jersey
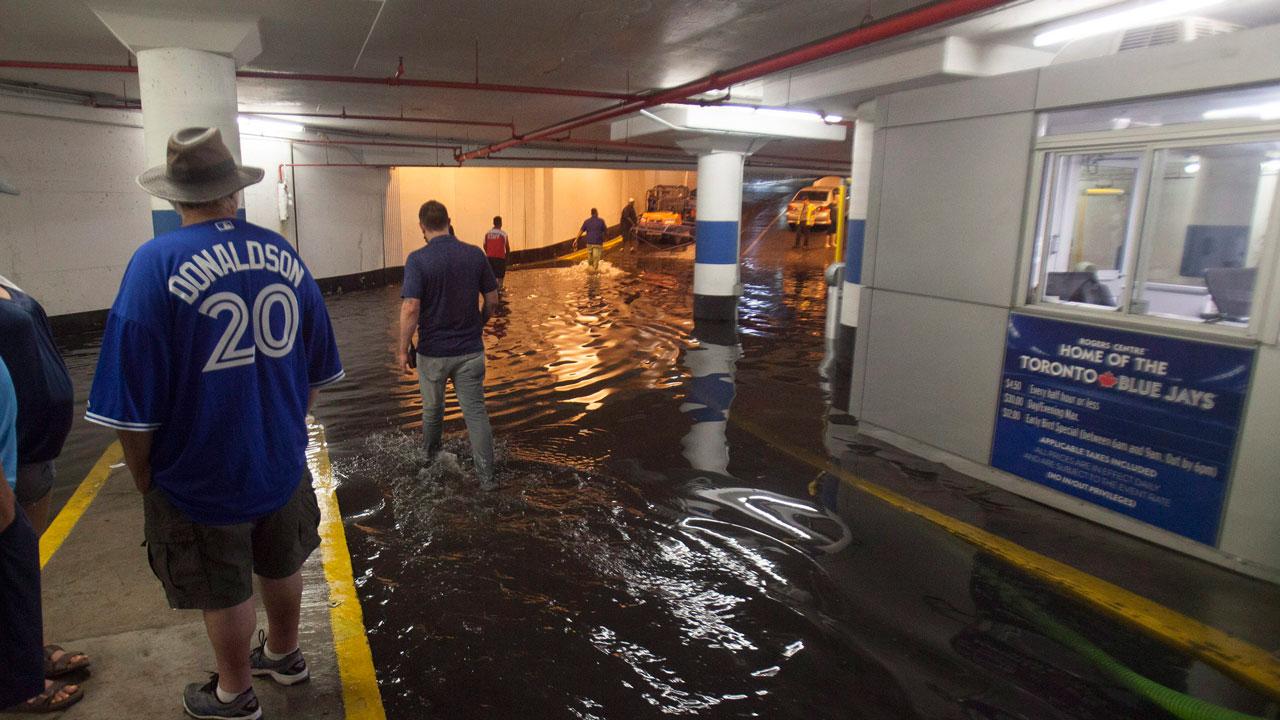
[
  {"x": 444, "y": 283},
  {"x": 23, "y": 686},
  {"x": 213, "y": 351}
]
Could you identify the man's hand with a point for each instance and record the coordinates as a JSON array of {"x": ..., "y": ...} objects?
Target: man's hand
[
  {"x": 8, "y": 504},
  {"x": 142, "y": 481},
  {"x": 409, "y": 310}
]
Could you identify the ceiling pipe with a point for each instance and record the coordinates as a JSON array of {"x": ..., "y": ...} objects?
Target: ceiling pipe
[
  {"x": 893, "y": 26},
  {"x": 394, "y": 80},
  {"x": 373, "y": 143},
  {"x": 344, "y": 115},
  {"x": 624, "y": 146}
]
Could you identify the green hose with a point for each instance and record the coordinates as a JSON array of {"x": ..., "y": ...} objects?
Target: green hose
[{"x": 1177, "y": 704}]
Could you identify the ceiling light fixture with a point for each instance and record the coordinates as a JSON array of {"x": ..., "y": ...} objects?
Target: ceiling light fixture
[
  {"x": 261, "y": 126},
  {"x": 1123, "y": 20}
]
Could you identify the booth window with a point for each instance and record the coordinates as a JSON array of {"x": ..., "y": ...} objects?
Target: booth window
[{"x": 1174, "y": 226}]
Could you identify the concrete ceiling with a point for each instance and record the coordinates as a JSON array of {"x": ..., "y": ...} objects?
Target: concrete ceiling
[{"x": 580, "y": 44}]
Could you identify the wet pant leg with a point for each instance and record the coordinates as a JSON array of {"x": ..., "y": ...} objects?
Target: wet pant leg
[
  {"x": 21, "y": 624},
  {"x": 468, "y": 383},
  {"x": 432, "y": 374}
]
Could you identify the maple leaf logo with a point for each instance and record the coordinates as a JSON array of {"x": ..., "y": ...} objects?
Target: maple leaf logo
[{"x": 1107, "y": 380}]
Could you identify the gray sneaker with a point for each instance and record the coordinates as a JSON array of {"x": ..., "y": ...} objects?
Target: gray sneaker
[
  {"x": 201, "y": 701},
  {"x": 288, "y": 670}
]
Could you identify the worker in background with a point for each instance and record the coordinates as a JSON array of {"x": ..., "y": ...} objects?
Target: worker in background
[
  {"x": 592, "y": 233},
  {"x": 805, "y": 222},
  {"x": 441, "y": 284},
  {"x": 628, "y": 223},
  {"x": 207, "y": 372},
  {"x": 496, "y": 247},
  {"x": 44, "y": 392},
  {"x": 1091, "y": 291},
  {"x": 23, "y": 685}
]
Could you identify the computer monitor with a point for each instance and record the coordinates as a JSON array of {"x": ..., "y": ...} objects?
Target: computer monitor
[
  {"x": 1232, "y": 291},
  {"x": 1213, "y": 246},
  {"x": 1064, "y": 285}
]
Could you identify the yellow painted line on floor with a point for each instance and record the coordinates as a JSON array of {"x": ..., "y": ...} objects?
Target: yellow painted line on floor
[
  {"x": 360, "y": 695},
  {"x": 1247, "y": 664},
  {"x": 70, "y": 514},
  {"x": 581, "y": 254}
]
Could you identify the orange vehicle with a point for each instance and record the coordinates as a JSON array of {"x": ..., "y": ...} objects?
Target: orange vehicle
[{"x": 669, "y": 215}]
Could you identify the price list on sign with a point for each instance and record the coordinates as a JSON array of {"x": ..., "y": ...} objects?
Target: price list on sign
[{"x": 1139, "y": 424}]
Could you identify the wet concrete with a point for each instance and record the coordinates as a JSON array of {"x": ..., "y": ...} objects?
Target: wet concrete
[{"x": 648, "y": 556}]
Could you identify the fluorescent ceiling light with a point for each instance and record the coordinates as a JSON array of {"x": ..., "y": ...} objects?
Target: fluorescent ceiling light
[
  {"x": 261, "y": 126},
  {"x": 1123, "y": 20},
  {"x": 1265, "y": 111}
]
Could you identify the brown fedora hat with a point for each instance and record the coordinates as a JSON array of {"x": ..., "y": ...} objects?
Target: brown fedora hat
[{"x": 198, "y": 168}]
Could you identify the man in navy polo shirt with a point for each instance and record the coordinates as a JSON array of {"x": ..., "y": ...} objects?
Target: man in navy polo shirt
[
  {"x": 443, "y": 285},
  {"x": 593, "y": 231},
  {"x": 213, "y": 351}
]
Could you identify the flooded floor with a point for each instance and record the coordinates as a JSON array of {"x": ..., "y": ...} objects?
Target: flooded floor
[{"x": 647, "y": 554}]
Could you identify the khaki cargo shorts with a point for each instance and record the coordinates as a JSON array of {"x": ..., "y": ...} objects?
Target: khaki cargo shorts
[{"x": 211, "y": 567}]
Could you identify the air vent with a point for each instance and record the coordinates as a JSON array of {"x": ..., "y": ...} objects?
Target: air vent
[{"x": 1183, "y": 30}]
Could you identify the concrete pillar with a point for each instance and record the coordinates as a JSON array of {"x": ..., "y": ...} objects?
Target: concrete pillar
[
  {"x": 855, "y": 234},
  {"x": 183, "y": 88},
  {"x": 712, "y": 365},
  {"x": 715, "y": 271}
]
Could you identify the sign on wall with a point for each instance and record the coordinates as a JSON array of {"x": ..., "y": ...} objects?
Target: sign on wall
[{"x": 1140, "y": 424}]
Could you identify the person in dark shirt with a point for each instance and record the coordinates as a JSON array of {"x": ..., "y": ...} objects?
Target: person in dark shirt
[
  {"x": 628, "y": 221},
  {"x": 44, "y": 394},
  {"x": 592, "y": 232},
  {"x": 442, "y": 285}
]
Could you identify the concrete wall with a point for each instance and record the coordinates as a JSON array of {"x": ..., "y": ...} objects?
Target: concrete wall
[
  {"x": 943, "y": 259},
  {"x": 539, "y": 206},
  {"x": 68, "y": 237}
]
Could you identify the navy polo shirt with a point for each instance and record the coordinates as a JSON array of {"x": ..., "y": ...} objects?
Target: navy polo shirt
[
  {"x": 449, "y": 277},
  {"x": 39, "y": 377},
  {"x": 595, "y": 229}
]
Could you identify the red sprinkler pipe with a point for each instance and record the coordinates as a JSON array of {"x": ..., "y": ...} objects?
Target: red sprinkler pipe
[
  {"x": 394, "y": 80},
  {"x": 890, "y": 27}
]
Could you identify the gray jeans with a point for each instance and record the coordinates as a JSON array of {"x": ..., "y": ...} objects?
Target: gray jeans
[{"x": 467, "y": 374}]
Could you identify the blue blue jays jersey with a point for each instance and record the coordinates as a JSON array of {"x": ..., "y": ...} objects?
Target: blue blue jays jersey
[{"x": 214, "y": 342}]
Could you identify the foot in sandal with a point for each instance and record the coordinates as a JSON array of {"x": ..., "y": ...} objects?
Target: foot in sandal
[
  {"x": 56, "y": 696},
  {"x": 59, "y": 662}
]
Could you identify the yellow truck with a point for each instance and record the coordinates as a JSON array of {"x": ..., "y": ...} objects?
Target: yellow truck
[{"x": 669, "y": 215}]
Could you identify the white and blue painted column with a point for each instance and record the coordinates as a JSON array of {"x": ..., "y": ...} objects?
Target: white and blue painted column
[
  {"x": 855, "y": 236},
  {"x": 712, "y": 364},
  {"x": 182, "y": 88},
  {"x": 716, "y": 285}
]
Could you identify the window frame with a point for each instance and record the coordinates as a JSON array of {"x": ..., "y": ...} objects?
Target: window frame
[{"x": 1264, "y": 323}]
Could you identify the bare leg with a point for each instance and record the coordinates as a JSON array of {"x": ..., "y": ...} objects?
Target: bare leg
[
  {"x": 230, "y": 631},
  {"x": 283, "y": 600},
  {"x": 38, "y": 513}
]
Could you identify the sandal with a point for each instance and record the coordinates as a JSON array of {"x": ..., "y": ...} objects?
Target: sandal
[
  {"x": 47, "y": 702},
  {"x": 64, "y": 664}
]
